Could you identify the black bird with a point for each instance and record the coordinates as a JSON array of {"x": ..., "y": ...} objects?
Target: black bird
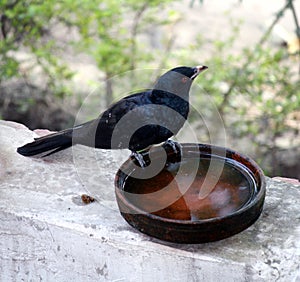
[{"x": 134, "y": 122}]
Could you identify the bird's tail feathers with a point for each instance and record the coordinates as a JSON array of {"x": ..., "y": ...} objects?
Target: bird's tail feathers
[{"x": 48, "y": 144}]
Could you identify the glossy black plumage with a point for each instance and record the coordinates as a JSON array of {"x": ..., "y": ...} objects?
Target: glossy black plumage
[{"x": 135, "y": 122}]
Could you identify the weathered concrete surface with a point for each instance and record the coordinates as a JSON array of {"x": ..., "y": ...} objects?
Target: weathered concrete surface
[{"x": 48, "y": 234}]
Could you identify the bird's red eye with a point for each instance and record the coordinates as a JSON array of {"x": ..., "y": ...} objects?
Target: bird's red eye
[{"x": 184, "y": 79}]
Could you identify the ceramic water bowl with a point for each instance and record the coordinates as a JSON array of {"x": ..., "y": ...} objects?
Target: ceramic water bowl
[{"x": 203, "y": 194}]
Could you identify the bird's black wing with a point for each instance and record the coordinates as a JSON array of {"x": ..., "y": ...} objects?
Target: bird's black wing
[{"x": 115, "y": 126}]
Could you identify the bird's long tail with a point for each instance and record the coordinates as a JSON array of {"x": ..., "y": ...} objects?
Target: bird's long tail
[{"x": 48, "y": 144}]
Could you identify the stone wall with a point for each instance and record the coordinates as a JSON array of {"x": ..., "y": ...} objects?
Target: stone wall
[{"x": 47, "y": 232}]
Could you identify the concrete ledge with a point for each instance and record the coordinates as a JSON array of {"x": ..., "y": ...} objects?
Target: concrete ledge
[{"x": 47, "y": 233}]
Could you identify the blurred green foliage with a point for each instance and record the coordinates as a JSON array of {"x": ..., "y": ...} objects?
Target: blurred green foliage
[
  {"x": 256, "y": 91},
  {"x": 107, "y": 30},
  {"x": 25, "y": 24}
]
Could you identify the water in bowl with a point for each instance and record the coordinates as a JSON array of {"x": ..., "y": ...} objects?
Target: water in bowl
[{"x": 226, "y": 190}]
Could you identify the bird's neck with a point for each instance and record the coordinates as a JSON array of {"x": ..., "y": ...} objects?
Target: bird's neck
[{"x": 182, "y": 92}]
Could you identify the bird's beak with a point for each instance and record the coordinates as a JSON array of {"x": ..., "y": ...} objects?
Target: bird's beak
[{"x": 198, "y": 70}]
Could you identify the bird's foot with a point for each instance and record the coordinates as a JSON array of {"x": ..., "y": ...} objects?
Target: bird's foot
[
  {"x": 176, "y": 147},
  {"x": 139, "y": 158}
]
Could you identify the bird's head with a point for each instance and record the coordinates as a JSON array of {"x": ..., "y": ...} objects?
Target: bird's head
[
  {"x": 188, "y": 72},
  {"x": 179, "y": 80}
]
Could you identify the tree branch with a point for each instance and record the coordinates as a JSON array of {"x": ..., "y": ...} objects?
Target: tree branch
[
  {"x": 291, "y": 6},
  {"x": 250, "y": 57},
  {"x": 134, "y": 32}
]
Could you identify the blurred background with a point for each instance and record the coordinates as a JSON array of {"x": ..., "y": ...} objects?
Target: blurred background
[{"x": 53, "y": 54}]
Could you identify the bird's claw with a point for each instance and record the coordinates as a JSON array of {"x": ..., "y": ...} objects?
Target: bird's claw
[
  {"x": 139, "y": 158},
  {"x": 176, "y": 147}
]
